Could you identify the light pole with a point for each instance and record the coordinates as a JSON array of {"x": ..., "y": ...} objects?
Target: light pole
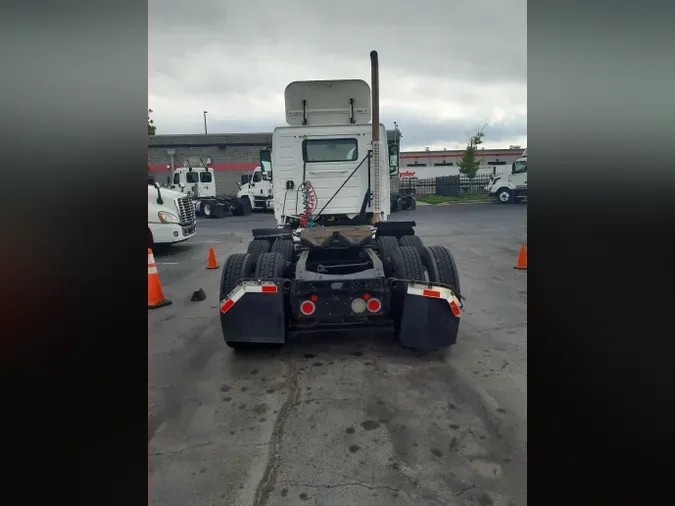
[{"x": 206, "y": 131}]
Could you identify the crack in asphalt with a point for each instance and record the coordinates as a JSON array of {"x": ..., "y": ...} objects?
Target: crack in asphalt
[
  {"x": 465, "y": 489},
  {"x": 206, "y": 443},
  {"x": 349, "y": 484},
  {"x": 309, "y": 401},
  {"x": 267, "y": 482}
]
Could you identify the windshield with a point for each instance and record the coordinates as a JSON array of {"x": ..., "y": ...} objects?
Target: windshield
[{"x": 520, "y": 166}]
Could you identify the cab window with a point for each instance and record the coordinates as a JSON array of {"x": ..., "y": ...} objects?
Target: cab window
[
  {"x": 257, "y": 177},
  {"x": 330, "y": 150},
  {"x": 176, "y": 178},
  {"x": 205, "y": 177},
  {"x": 192, "y": 177}
]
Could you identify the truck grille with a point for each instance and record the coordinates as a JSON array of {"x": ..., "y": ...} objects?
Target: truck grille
[{"x": 187, "y": 210}]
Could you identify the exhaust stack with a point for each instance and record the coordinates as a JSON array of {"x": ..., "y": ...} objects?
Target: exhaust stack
[{"x": 375, "y": 168}]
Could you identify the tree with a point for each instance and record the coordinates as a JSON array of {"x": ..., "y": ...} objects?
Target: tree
[
  {"x": 469, "y": 164},
  {"x": 151, "y": 124}
]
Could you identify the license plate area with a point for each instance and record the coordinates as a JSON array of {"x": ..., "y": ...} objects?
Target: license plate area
[{"x": 335, "y": 299}]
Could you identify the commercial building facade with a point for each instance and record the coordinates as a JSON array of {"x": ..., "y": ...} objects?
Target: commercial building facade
[{"x": 233, "y": 155}]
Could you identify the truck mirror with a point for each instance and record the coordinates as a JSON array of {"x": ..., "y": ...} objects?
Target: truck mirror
[
  {"x": 513, "y": 167},
  {"x": 393, "y": 159}
]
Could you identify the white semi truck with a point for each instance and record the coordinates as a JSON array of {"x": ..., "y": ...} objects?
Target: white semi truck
[
  {"x": 199, "y": 184},
  {"x": 258, "y": 188},
  {"x": 510, "y": 187},
  {"x": 171, "y": 216},
  {"x": 334, "y": 262}
]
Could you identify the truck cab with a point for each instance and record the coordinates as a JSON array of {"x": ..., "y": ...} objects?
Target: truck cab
[
  {"x": 323, "y": 161},
  {"x": 171, "y": 216},
  {"x": 194, "y": 181},
  {"x": 257, "y": 187},
  {"x": 510, "y": 187}
]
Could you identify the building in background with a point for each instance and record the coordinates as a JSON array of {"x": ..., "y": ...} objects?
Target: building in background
[
  {"x": 232, "y": 155},
  {"x": 423, "y": 164}
]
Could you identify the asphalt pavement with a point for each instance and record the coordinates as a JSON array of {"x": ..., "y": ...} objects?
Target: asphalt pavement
[{"x": 348, "y": 418}]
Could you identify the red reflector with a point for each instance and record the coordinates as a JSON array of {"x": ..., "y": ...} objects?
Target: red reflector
[
  {"x": 314, "y": 298},
  {"x": 454, "y": 307},
  {"x": 366, "y": 296},
  {"x": 307, "y": 308},
  {"x": 374, "y": 305},
  {"x": 269, "y": 289},
  {"x": 431, "y": 293},
  {"x": 226, "y": 306}
]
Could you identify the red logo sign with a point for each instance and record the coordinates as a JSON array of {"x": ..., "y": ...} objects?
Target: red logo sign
[{"x": 407, "y": 173}]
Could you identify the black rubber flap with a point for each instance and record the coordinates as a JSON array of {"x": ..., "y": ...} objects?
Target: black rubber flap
[
  {"x": 427, "y": 323},
  {"x": 256, "y": 318}
]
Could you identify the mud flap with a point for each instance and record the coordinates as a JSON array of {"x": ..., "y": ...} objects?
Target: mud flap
[
  {"x": 430, "y": 317},
  {"x": 254, "y": 313}
]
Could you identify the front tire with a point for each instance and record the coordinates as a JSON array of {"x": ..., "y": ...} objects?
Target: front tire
[{"x": 504, "y": 196}]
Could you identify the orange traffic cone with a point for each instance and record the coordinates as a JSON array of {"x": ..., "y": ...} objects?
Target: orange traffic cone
[
  {"x": 212, "y": 260},
  {"x": 522, "y": 259},
  {"x": 155, "y": 296}
]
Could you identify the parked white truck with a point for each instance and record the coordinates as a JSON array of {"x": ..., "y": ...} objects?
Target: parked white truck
[
  {"x": 258, "y": 188},
  {"x": 171, "y": 216},
  {"x": 199, "y": 184},
  {"x": 512, "y": 186},
  {"x": 333, "y": 262}
]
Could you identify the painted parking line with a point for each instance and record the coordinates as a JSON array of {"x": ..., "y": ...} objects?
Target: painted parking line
[{"x": 166, "y": 263}]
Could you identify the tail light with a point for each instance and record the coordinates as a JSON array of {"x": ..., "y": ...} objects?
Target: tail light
[
  {"x": 374, "y": 305},
  {"x": 307, "y": 307}
]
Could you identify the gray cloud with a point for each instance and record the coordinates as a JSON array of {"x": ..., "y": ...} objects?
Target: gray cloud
[{"x": 445, "y": 66}]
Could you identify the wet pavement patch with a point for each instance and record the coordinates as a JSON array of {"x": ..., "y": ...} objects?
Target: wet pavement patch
[
  {"x": 370, "y": 425},
  {"x": 350, "y": 430},
  {"x": 309, "y": 355},
  {"x": 354, "y": 448}
]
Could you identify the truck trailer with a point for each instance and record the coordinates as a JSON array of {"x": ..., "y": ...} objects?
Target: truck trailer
[{"x": 334, "y": 262}]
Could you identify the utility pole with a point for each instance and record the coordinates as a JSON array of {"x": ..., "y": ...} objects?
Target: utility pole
[{"x": 206, "y": 130}]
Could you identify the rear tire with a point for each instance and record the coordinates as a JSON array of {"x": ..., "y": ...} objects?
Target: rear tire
[
  {"x": 414, "y": 241},
  {"x": 258, "y": 246},
  {"x": 270, "y": 266},
  {"x": 385, "y": 245},
  {"x": 231, "y": 273},
  {"x": 248, "y": 265},
  {"x": 285, "y": 247},
  {"x": 446, "y": 269},
  {"x": 408, "y": 264}
]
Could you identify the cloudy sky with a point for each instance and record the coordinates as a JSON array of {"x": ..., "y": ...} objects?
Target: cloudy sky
[{"x": 445, "y": 66}]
